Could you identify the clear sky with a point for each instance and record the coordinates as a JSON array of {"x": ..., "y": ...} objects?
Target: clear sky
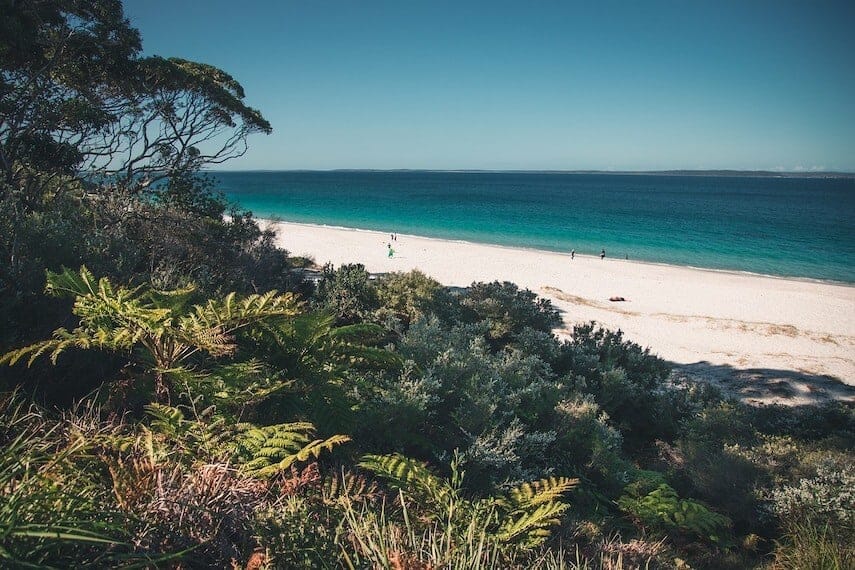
[{"x": 529, "y": 84}]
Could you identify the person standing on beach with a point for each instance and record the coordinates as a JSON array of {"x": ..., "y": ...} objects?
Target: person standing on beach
[
  {"x": 572, "y": 254},
  {"x": 391, "y": 251},
  {"x": 603, "y": 254}
]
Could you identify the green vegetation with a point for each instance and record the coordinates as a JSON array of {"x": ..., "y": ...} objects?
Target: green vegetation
[{"x": 174, "y": 395}]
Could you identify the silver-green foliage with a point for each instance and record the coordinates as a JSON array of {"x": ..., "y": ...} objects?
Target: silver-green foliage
[
  {"x": 827, "y": 498},
  {"x": 492, "y": 406}
]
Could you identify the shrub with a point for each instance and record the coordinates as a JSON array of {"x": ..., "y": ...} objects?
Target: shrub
[
  {"x": 346, "y": 292},
  {"x": 507, "y": 309},
  {"x": 586, "y": 443},
  {"x": 494, "y": 407},
  {"x": 627, "y": 382},
  {"x": 408, "y": 296},
  {"x": 398, "y": 411},
  {"x": 826, "y": 499},
  {"x": 724, "y": 479}
]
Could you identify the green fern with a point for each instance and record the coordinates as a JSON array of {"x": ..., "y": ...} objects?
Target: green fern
[
  {"x": 167, "y": 420},
  {"x": 158, "y": 326},
  {"x": 413, "y": 477},
  {"x": 530, "y": 509},
  {"x": 662, "y": 508},
  {"x": 521, "y": 518},
  {"x": 270, "y": 450},
  {"x": 259, "y": 451},
  {"x": 538, "y": 492}
]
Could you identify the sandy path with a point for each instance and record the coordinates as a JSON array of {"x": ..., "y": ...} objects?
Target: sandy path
[{"x": 764, "y": 338}]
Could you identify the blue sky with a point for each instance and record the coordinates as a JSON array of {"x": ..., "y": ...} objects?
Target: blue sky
[{"x": 521, "y": 84}]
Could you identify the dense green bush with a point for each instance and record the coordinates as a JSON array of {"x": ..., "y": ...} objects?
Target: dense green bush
[
  {"x": 346, "y": 292},
  {"x": 409, "y": 296},
  {"x": 828, "y": 498},
  {"x": 507, "y": 310},
  {"x": 588, "y": 444},
  {"x": 490, "y": 406}
]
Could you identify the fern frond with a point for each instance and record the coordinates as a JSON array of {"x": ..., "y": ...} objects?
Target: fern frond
[
  {"x": 538, "y": 492},
  {"x": 369, "y": 355},
  {"x": 258, "y": 468},
  {"x": 531, "y": 527},
  {"x": 167, "y": 420},
  {"x": 411, "y": 476},
  {"x": 269, "y": 450},
  {"x": 70, "y": 283},
  {"x": 231, "y": 313},
  {"x": 348, "y": 486},
  {"x": 34, "y": 351}
]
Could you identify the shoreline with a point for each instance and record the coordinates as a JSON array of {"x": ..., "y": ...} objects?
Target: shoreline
[
  {"x": 766, "y": 339},
  {"x": 273, "y": 220}
]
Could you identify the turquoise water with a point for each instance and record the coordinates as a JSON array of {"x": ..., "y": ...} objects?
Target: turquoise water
[{"x": 794, "y": 227}]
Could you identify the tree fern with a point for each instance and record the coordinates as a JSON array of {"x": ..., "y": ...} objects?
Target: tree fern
[
  {"x": 312, "y": 343},
  {"x": 319, "y": 358},
  {"x": 158, "y": 325}
]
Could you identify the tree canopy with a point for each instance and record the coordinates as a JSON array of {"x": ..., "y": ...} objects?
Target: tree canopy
[{"x": 94, "y": 136}]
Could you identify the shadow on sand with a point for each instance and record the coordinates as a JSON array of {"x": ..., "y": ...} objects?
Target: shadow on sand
[{"x": 767, "y": 385}]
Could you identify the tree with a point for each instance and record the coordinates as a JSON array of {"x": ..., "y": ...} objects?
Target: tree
[
  {"x": 76, "y": 97},
  {"x": 90, "y": 132}
]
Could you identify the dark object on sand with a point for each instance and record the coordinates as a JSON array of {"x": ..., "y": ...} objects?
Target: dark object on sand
[{"x": 616, "y": 299}]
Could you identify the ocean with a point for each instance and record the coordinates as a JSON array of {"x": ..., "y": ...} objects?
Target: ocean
[{"x": 789, "y": 227}]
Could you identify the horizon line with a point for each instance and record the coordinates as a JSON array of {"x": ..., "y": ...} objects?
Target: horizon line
[{"x": 675, "y": 171}]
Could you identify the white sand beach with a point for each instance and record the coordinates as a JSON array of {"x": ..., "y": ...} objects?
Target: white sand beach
[{"x": 762, "y": 338}]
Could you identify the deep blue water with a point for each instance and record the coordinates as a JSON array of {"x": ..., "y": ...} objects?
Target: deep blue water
[{"x": 796, "y": 227}]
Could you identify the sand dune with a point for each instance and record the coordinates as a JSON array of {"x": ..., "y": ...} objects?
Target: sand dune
[{"x": 764, "y": 338}]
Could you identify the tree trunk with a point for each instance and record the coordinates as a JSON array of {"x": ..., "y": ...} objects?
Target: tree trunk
[{"x": 162, "y": 388}]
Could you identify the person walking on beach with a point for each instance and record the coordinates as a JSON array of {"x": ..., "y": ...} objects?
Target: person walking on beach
[
  {"x": 391, "y": 251},
  {"x": 572, "y": 254},
  {"x": 603, "y": 254}
]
